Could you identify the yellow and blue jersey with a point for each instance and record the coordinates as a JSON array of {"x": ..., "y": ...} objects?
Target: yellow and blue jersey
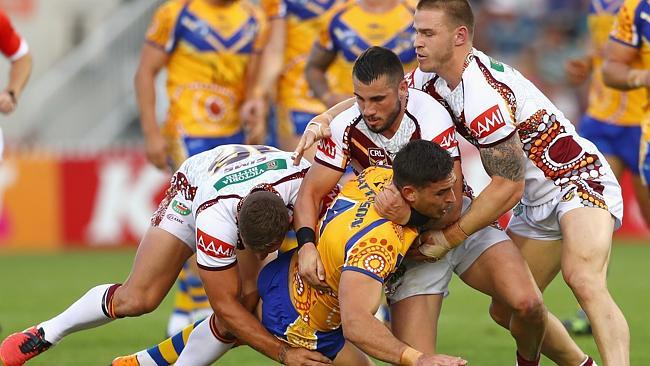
[
  {"x": 349, "y": 30},
  {"x": 209, "y": 50},
  {"x": 304, "y": 20},
  {"x": 353, "y": 237},
  {"x": 607, "y": 104}
]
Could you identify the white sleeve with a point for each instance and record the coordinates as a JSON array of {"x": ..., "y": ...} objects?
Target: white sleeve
[
  {"x": 436, "y": 124},
  {"x": 333, "y": 152},
  {"x": 216, "y": 239},
  {"x": 488, "y": 116}
]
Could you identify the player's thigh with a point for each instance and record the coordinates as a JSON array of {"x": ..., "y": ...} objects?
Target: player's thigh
[
  {"x": 587, "y": 241},
  {"x": 158, "y": 261},
  {"x": 543, "y": 257},
  {"x": 617, "y": 165},
  {"x": 501, "y": 272},
  {"x": 642, "y": 193},
  {"x": 414, "y": 320},
  {"x": 350, "y": 355}
]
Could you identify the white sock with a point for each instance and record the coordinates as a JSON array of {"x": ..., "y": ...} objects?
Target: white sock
[
  {"x": 202, "y": 348},
  {"x": 177, "y": 321},
  {"x": 144, "y": 359},
  {"x": 85, "y": 313}
]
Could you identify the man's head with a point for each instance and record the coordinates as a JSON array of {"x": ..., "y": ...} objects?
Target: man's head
[
  {"x": 379, "y": 87},
  {"x": 442, "y": 27},
  {"x": 423, "y": 172},
  {"x": 263, "y": 222}
]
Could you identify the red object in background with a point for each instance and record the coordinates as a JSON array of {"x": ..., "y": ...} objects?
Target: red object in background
[
  {"x": 20, "y": 8},
  {"x": 633, "y": 223}
]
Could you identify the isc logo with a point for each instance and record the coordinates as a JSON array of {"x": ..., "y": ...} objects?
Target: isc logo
[
  {"x": 213, "y": 247},
  {"x": 327, "y": 147},
  {"x": 488, "y": 122}
]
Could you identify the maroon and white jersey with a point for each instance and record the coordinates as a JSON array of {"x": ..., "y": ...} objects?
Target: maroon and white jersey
[
  {"x": 353, "y": 143},
  {"x": 201, "y": 206},
  {"x": 493, "y": 101},
  {"x": 12, "y": 45}
]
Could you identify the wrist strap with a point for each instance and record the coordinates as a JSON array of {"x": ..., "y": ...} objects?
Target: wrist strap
[
  {"x": 305, "y": 235},
  {"x": 409, "y": 356}
]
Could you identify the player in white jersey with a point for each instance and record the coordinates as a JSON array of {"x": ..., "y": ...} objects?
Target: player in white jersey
[
  {"x": 210, "y": 199},
  {"x": 386, "y": 116}
]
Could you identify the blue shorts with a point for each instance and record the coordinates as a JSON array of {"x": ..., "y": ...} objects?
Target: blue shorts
[
  {"x": 195, "y": 145},
  {"x": 645, "y": 163},
  {"x": 613, "y": 140},
  {"x": 280, "y": 317}
]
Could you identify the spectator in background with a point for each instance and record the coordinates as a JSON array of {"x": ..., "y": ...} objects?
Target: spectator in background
[
  {"x": 612, "y": 120},
  {"x": 348, "y": 31},
  {"x": 14, "y": 48},
  {"x": 210, "y": 50}
]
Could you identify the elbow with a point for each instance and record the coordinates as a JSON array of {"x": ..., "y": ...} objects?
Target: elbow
[{"x": 351, "y": 329}]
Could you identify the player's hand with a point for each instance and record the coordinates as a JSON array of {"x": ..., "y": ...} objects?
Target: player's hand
[
  {"x": 390, "y": 204},
  {"x": 295, "y": 356},
  {"x": 310, "y": 267},
  {"x": 253, "y": 117},
  {"x": 433, "y": 245},
  {"x": 332, "y": 99},
  {"x": 155, "y": 147},
  {"x": 577, "y": 70},
  {"x": 7, "y": 103},
  {"x": 317, "y": 129},
  {"x": 440, "y": 360}
]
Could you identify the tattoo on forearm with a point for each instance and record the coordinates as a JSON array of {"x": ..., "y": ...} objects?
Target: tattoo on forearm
[{"x": 505, "y": 159}]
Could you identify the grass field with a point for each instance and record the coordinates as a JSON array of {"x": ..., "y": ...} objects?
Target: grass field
[{"x": 36, "y": 287}]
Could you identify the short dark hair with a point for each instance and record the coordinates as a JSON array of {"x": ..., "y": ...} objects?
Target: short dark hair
[
  {"x": 376, "y": 62},
  {"x": 420, "y": 163},
  {"x": 458, "y": 11},
  {"x": 263, "y": 220}
]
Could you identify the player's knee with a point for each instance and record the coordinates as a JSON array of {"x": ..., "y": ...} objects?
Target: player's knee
[
  {"x": 500, "y": 314},
  {"x": 584, "y": 284},
  {"x": 531, "y": 308},
  {"x": 134, "y": 303}
]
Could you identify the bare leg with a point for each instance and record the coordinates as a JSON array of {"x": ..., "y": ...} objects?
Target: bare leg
[
  {"x": 501, "y": 273},
  {"x": 586, "y": 248},
  {"x": 408, "y": 316}
]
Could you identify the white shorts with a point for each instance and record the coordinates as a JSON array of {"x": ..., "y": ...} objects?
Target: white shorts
[
  {"x": 543, "y": 222},
  {"x": 174, "y": 215},
  {"x": 422, "y": 278}
]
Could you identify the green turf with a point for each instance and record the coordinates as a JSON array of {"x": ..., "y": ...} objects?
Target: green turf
[{"x": 35, "y": 287}]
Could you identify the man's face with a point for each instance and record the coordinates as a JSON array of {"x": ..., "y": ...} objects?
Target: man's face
[
  {"x": 436, "y": 199},
  {"x": 261, "y": 254},
  {"x": 379, "y": 102},
  {"x": 434, "y": 39}
]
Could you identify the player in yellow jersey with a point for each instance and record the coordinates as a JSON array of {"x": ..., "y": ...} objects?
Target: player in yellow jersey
[
  {"x": 360, "y": 250},
  {"x": 293, "y": 28},
  {"x": 627, "y": 65},
  {"x": 210, "y": 50},
  {"x": 348, "y": 31}
]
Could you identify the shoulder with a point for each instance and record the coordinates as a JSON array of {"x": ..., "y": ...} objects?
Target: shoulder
[{"x": 345, "y": 119}]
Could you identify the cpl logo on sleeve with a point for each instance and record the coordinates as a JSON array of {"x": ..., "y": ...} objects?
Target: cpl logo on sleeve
[
  {"x": 213, "y": 247},
  {"x": 327, "y": 147},
  {"x": 181, "y": 208},
  {"x": 488, "y": 122}
]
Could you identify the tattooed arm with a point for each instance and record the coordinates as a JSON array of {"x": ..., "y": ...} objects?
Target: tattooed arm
[{"x": 505, "y": 164}]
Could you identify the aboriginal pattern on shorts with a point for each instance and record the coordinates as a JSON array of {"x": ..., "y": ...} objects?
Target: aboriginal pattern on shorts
[
  {"x": 178, "y": 183},
  {"x": 561, "y": 158}
]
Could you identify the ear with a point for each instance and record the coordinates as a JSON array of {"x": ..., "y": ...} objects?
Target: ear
[
  {"x": 409, "y": 193},
  {"x": 462, "y": 36},
  {"x": 403, "y": 86}
]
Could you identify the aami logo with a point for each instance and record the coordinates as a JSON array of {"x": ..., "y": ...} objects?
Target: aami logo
[
  {"x": 377, "y": 156},
  {"x": 327, "y": 147},
  {"x": 488, "y": 122},
  {"x": 213, "y": 247},
  {"x": 447, "y": 139}
]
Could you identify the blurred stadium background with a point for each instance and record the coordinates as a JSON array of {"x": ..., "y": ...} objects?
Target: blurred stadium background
[{"x": 76, "y": 191}]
